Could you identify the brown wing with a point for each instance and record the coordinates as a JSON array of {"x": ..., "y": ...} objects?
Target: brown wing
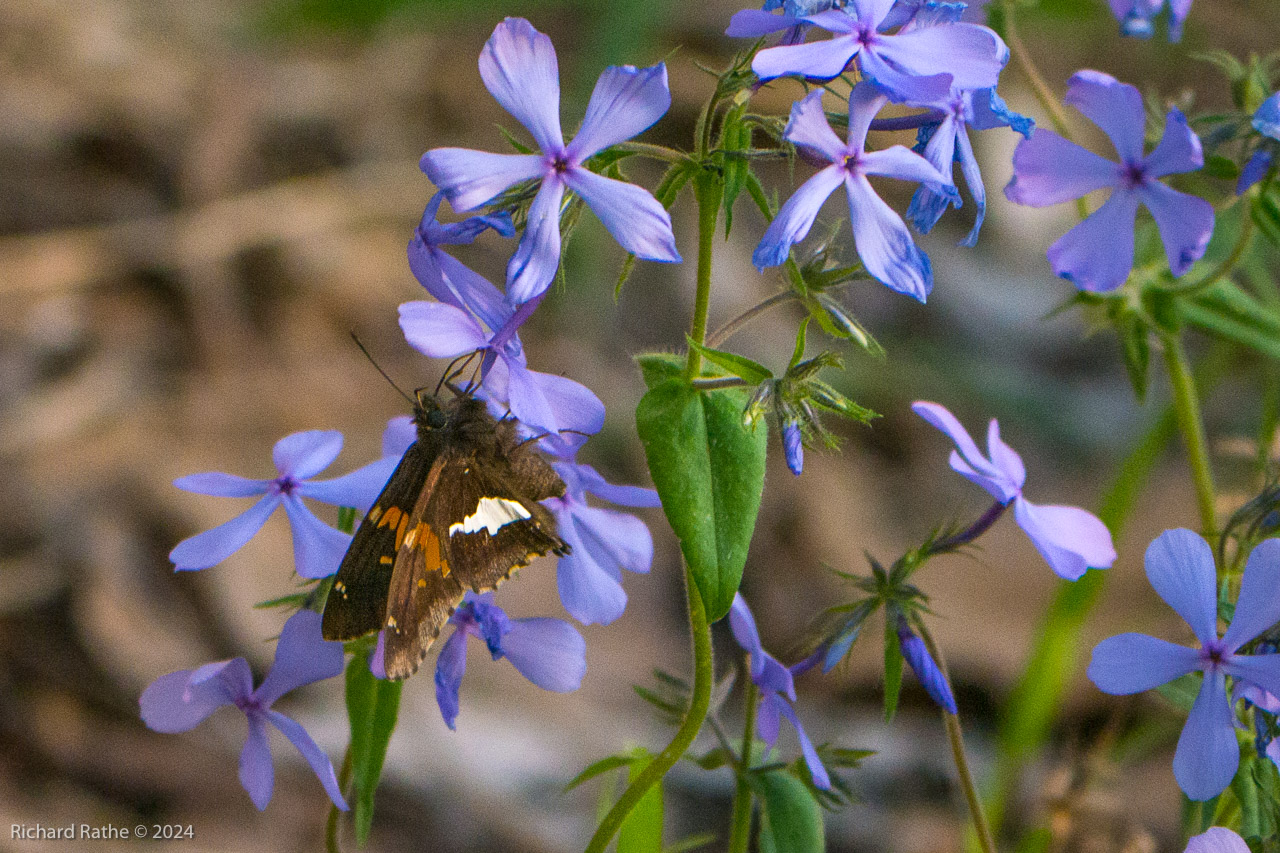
[{"x": 422, "y": 596}]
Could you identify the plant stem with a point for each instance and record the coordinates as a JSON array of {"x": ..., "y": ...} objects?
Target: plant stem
[
  {"x": 331, "y": 826},
  {"x": 954, "y": 736},
  {"x": 657, "y": 152},
  {"x": 718, "y": 384},
  {"x": 1186, "y": 403},
  {"x": 708, "y": 191},
  {"x": 740, "y": 824},
  {"x": 720, "y": 335},
  {"x": 699, "y": 704},
  {"x": 970, "y": 533}
]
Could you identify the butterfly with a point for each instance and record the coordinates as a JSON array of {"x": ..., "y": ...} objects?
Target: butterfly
[{"x": 460, "y": 512}]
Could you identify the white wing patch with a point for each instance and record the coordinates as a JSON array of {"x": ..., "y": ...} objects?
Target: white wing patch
[{"x": 491, "y": 514}]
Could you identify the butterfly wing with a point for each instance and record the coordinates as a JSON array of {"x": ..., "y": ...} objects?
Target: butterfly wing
[{"x": 357, "y": 603}]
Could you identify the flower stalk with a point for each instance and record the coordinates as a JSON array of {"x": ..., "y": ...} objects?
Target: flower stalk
[{"x": 740, "y": 823}]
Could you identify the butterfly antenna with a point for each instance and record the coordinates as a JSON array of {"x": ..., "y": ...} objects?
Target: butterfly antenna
[
  {"x": 454, "y": 369},
  {"x": 378, "y": 367}
]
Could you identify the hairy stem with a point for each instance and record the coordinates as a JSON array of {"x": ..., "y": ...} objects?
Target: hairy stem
[
  {"x": 657, "y": 152},
  {"x": 708, "y": 191},
  {"x": 699, "y": 703},
  {"x": 722, "y": 334},
  {"x": 956, "y": 739},
  {"x": 1186, "y": 403},
  {"x": 740, "y": 824},
  {"x": 970, "y": 533}
]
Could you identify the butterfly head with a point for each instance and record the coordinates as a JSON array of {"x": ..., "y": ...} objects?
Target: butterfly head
[{"x": 428, "y": 414}]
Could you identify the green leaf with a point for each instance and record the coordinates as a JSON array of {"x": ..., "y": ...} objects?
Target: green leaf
[
  {"x": 1266, "y": 215},
  {"x": 832, "y": 400},
  {"x": 1134, "y": 339},
  {"x": 735, "y": 136},
  {"x": 708, "y": 469},
  {"x": 892, "y": 667},
  {"x": 791, "y": 819},
  {"x": 692, "y": 842},
  {"x": 739, "y": 365},
  {"x": 1218, "y": 166},
  {"x": 801, "y": 335},
  {"x": 641, "y": 832},
  {"x": 372, "y": 707},
  {"x": 604, "y": 765}
]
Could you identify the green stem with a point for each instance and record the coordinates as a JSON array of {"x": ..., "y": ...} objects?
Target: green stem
[
  {"x": 331, "y": 826},
  {"x": 722, "y": 334},
  {"x": 1186, "y": 402},
  {"x": 657, "y": 152},
  {"x": 708, "y": 191},
  {"x": 740, "y": 825},
  {"x": 958, "y": 755},
  {"x": 699, "y": 704}
]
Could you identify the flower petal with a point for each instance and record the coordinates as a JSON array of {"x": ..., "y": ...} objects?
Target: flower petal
[
  {"x": 519, "y": 68},
  {"x": 548, "y": 652},
  {"x": 1132, "y": 663},
  {"x": 1002, "y": 484},
  {"x": 314, "y": 755},
  {"x": 1097, "y": 254},
  {"x": 1070, "y": 539},
  {"x": 472, "y": 292},
  {"x": 743, "y": 625},
  {"x": 821, "y": 60},
  {"x": 1258, "y": 606},
  {"x": 1207, "y": 754},
  {"x": 636, "y": 496},
  {"x": 1048, "y": 169},
  {"x": 753, "y": 23},
  {"x": 451, "y": 665},
  {"x": 1217, "y": 839},
  {"x": 317, "y": 548},
  {"x": 1254, "y": 170},
  {"x": 257, "y": 775},
  {"x": 884, "y": 244},
  {"x": 170, "y": 704},
  {"x": 1179, "y": 149},
  {"x": 902, "y": 163},
  {"x": 618, "y": 537},
  {"x": 1113, "y": 106},
  {"x": 625, "y": 103},
  {"x": 768, "y": 717},
  {"x": 471, "y": 178},
  {"x": 440, "y": 330},
  {"x": 1260, "y": 670},
  {"x": 928, "y": 205},
  {"x": 213, "y": 546},
  {"x": 973, "y": 55},
  {"x": 817, "y": 772},
  {"x": 1267, "y": 118},
  {"x": 400, "y": 433},
  {"x": 636, "y": 219},
  {"x": 302, "y": 657},
  {"x": 1180, "y": 568},
  {"x": 902, "y": 86},
  {"x": 573, "y": 405},
  {"x": 305, "y": 454},
  {"x": 1185, "y": 223},
  {"x": 358, "y": 489},
  {"x": 928, "y": 673},
  {"x": 795, "y": 218},
  {"x": 222, "y": 485},
  {"x": 536, "y": 259},
  {"x": 808, "y": 128},
  {"x": 588, "y": 592},
  {"x": 973, "y": 180}
]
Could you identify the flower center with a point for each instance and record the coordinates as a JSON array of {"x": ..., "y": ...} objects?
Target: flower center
[
  {"x": 560, "y": 164},
  {"x": 866, "y": 36},
  {"x": 1135, "y": 175},
  {"x": 285, "y": 485},
  {"x": 1213, "y": 656},
  {"x": 852, "y": 162}
]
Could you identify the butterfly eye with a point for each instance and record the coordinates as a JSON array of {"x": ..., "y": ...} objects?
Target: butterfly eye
[{"x": 435, "y": 419}]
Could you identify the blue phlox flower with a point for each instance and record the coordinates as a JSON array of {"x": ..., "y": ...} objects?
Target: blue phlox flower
[
  {"x": 1135, "y": 17},
  {"x": 1180, "y": 567},
  {"x": 446, "y": 278},
  {"x": 1217, "y": 839},
  {"x": 793, "y": 447},
  {"x": 519, "y": 68},
  {"x": 179, "y": 701},
  {"x": 880, "y": 236},
  {"x": 926, "y": 669},
  {"x": 1070, "y": 539},
  {"x": 948, "y": 141},
  {"x": 754, "y": 23},
  {"x": 317, "y": 547},
  {"x": 548, "y": 652},
  {"x": 914, "y": 63},
  {"x": 1097, "y": 254},
  {"x": 777, "y": 689},
  {"x": 603, "y": 542},
  {"x": 906, "y": 12},
  {"x": 1267, "y": 122}
]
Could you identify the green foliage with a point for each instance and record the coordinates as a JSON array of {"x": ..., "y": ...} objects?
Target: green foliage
[
  {"x": 892, "y": 666},
  {"x": 791, "y": 819},
  {"x": 708, "y": 469},
  {"x": 641, "y": 832},
  {"x": 373, "y": 705}
]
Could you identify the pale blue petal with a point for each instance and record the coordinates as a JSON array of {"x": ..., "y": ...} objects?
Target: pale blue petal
[
  {"x": 314, "y": 755},
  {"x": 1254, "y": 170},
  {"x": 451, "y": 666},
  {"x": 534, "y": 264},
  {"x": 471, "y": 178},
  {"x": 213, "y": 546},
  {"x": 753, "y": 23},
  {"x": 305, "y": 454},
  {"x": 625, "y": 102},
  {"x": 518, "y": 66},
  {"x": 636, "y": 219},
  {"x": 303, "y": 656},
  {"x": 222, "y": 485},
  {"x": 902, "y": 86},
  {"x": 573, "y": 405},
  {"x": 596, "y": 484},
  {"x": 400, "y": 433},
  {"x": 796, "y": 218},
  {"x": 1113, "y": 106},
  {"x": 821, "y": 60},
  {"x": 440, "y": 330},
  {"x": 817, "y": 772},
  {"x": 548, "y": 652},
  {"x": 1133, "y": 663},
  {"x": 1097, "y": 254},
  {"x": 616, "y": 537},
  {"x": 317, "y": 548},
  {"x": 808, "y": 128},
  {"x": 884, "y": 244},
  {"x": 1258, "y": 606},
  {"x": 1070, "y": 539},
  {"x": 1207, "y": 754},
  {"x": 1180, "y": 568},
  {"x": 1048, "y": 169},
  {"x": 1267, "y": 119},
  {"x": 358, "y": 489},
  {"x": 256, "y": 773},
  {"x": 1260, "y": 670},
  {"x": 472, "y": 292},
  {"x": 1185, "y": 223},
  {"x": 1217, "y": 839},
  {"x": 768, "y": 718},
  {"x": 170, "y": 704},
  {"x": 973, "y": 55},
  {"x": 973, "y": 180},
  {"x": 1179, "y": 149},
  {"x": 743, "y": 625}
]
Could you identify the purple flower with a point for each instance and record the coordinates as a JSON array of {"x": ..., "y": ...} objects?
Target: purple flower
[
  {"x": 753, "y": 23},
  {"x": 793, "y": 447},
  {"x": 444, "y": 277},
  {"x": 548, "y": 652},
  {"x": 918, "y": 63},
  {"x": 181, "y": 700},
  {"x": 880, "y": 235},
  {"x": 518, "y": 66},
  {"x": 1097, "y": 254},
  {"x": 317, "y": 548},
  {"x": 1070, "y": 539},
  {"x": 777, "y": 689},
  {"x": 603, "y": 542},
  {"x": 1217, "y": 839},
  {"x": 948, "y": 142},
  {"x": 1267, "y": 122},
  {"x": 922, "y": 664},
  {"x": 1180, "y": 567},
  {"x": 1135, "y": 17}
]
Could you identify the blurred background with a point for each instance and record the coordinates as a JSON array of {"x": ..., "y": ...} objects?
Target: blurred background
[{"x": 199, "y": 202}]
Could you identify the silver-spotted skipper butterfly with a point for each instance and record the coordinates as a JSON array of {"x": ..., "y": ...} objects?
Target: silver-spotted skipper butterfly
[{"x": 460, "y": 512}]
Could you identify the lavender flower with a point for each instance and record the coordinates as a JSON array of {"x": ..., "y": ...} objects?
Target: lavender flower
[
  {"x": 880, "y": 235},
  {"x": 1217, "y": 839},
  {"x": 1180, "y": 567},
  {"x": 1135, "y": 17},
  {"x": 1097, "y": 254},
  {"x": 754, "y": 23},
  {"x": 181, "y": 700},
  {"x": 603, "y": 542},
  {"x": 777, "y": 689},
  {"x": 447, "y": 279},
  {"x": 918, "y": 63},
  {"x": 1267, "y": 122},
  {"x": 922, "y": 664},
  {"x": 1070, "y": 539},
  {"x": 793, "y": 446},
  {"x": 518, "y": 66},
  {"x": 548, "y": 652},
  {"x": 317, "y": 548}
]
